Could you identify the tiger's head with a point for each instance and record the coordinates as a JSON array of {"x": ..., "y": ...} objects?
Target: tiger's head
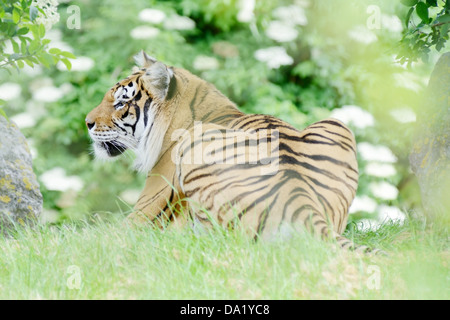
[{"x": 126, "y": 117}]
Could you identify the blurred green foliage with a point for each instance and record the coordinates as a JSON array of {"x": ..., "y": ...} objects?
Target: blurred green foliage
[
  {"x": 428, "y": 26},
  {"x": 23, "y": 30},
  {"x": 19, "y": 23},
  {"x": 330, "y": 68}
]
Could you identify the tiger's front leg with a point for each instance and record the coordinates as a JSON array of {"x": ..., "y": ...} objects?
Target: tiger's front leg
[{"x": 160, "y": 202}]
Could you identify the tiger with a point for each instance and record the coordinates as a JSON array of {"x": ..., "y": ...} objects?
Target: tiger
[{"x": 301, "y": 180}]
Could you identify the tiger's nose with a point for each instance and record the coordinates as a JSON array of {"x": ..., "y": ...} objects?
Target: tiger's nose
[{"x": 89, "y": 123}]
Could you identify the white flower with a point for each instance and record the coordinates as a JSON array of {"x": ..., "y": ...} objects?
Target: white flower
[
  {"x": 78, "y": 64},
  {"x": 370, "y": 152},
  {"x": 48, "y": 94},
  {"x": 152, "y": 15},
  {"x": 66, "y": 87},
  {"x": 176, "y": 22},
  {"x": 293, "y": 15},
  {"x": 383, "y": 190},
  {"x": 82, "y": 64},
  {"x": 363, "y": 203},
  {"x": 281, "y": 32},
  {"x": 274, "y": 57},
  {"x": 144, "y": 32},
  {"x": 354, "y": 115},
  {"x": 24, "y": 120},
  {"x": 56, "y": 179},
  {"x": 389, "y": 213},
  {"x": 246, "y": 8},
  {"x": 10, "y": 91},
  {"x": 403, "y": 115},
  {"x": 362, "y": 34},
  {"x": 205, "y": 63},
  {"x": 381, "y": 170},
  {"x": 50, "y": 8},
  {"x": 391, "y": 23}
]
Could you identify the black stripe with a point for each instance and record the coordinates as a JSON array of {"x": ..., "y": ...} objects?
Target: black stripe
[
  {"x": 118, "y": 126},
  {"x": 329, "y": 139},
  {"x": 303, "y": 193},
  {"x": 339, "y": 135},
  {"x": 192, "y": 103},
  {"x": 264, "y": 215},
  {"x": 284, "y": 147},
  {"x": 292, "y": 160},
  {"x": 146, "y": 107},
  {"x": 336, "y": 191},
  {"x": 138, "y": 114},
  {"x": 334, "y": 123},
  {"x": 300, "y": 210},
  {"x": 138, "y": 96},
  {"x": 219, "y": 119}
]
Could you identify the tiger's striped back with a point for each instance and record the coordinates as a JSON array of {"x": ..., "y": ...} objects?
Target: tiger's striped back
[{"x": 312, "y": 185}]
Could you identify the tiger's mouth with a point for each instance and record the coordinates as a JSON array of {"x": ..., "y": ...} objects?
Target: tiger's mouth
[{"x": 113, "y": 148}]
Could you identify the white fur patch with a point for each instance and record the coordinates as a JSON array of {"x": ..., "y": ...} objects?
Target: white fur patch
[{"x": 150, "y": 144}]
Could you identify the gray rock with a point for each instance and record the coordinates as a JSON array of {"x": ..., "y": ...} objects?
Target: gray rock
[
  {"x": 20, "y": 197},
  {"x": 430, "y": 157}
]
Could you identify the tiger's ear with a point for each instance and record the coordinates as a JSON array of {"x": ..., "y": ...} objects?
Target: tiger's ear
[
  {"x": 143, "y": 60},
  {"x": 157, "y": 80}
]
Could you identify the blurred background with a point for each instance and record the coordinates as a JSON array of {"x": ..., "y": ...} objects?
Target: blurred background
[{"x": 298, "y": 60}]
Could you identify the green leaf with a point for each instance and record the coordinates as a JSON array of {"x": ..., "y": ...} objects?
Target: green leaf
[
  {"x": 35, "y": 31},
  {"x": 67, "y": 63},
  {"x": 29, "y": 62},
  {"x": 444, "y": 29},
  {"x": 16, "y": 15},
  {"x": 22, "y": 31},
  {"x": 54, "y": 51},
  {"x": 422, "y": 12},
  {"x": 3, "y": 114},
  {"x": 23, "y": 45},
  {"x": 409, "y": 3},
  {"x": 67, "y": 54},
  {"x": 41, "y": 30},
  {"x": 46, "y": 59},
  {"x": 432, "y": 3},
  {"x": 15, "y": 46},
  {"x": 20, "y": 64},
  {"x": 442, "y": 19},
  {"x": 408, "y": 17},
  {"x": 34, "y": 45}
]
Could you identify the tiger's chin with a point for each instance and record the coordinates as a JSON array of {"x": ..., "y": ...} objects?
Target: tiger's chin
[{"x": 108, "y": 150}]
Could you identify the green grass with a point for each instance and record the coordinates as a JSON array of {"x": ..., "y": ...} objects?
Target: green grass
[{"x": 113, "y": 261}]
